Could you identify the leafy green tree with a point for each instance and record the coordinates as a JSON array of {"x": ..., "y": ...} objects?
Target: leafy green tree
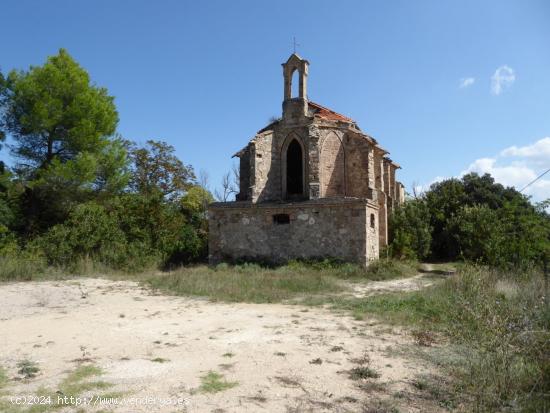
[
  {"x": 479, "y": 233},
  {"x": 476, "y": 219},
  {"x": 410, "y": 230},
  {"x": 62, "y": 127},
  {"x": 196, "y": 200},
  {"x": 527, "y": 234},
  {"x": 156, "y": 168},
  {"x": 54, "y": 112},
  {"x": 444, "y": 200}
]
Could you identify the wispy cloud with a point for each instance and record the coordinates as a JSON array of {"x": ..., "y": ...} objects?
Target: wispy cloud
[
  {"x": 466, "y": 81},
  {"x": 503, "y": 77}
]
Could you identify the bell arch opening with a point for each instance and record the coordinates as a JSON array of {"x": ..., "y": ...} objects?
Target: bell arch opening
[
  {"x": 294, "y": 170},
  {"x": 295, "y": 84}
]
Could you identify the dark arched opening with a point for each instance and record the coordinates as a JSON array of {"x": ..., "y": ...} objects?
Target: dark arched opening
[{"x": 294, "y": 169}]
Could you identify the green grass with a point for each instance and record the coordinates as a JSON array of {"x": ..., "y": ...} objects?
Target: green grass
[
  {"x": 27, "y": 368},
  {"x": 363, "y": 372},
  {"x": 257, "y": 284},
  {"x": 160, "y": 360},
  {"x": 77, "y": 383},
  {"x": 3, "y": 377},
  {"x": 246, "y": 283},
  {"x": 214, "y": 382},
  {"x": 16, "y": 268},
  {"x": 499, "y": 318},
  {"x": 239, "y": 283}
]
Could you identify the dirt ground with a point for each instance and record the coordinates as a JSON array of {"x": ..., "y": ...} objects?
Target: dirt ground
[{"x": 280, "y": 358}]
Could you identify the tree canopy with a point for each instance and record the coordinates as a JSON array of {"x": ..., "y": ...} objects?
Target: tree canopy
[
  {"x": 54, "y": 112},
  {"x": 472, "y": 218}
]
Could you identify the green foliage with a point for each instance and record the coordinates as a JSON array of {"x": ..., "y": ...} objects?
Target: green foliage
[
  {"x": 3, "y": 377},
  {"x": 130, "y": 232},
  {"x": 89, "y": 232},
  {"x": 157, "y": 169},
  {"x": 214, "y": 382},
  {"x": 54, "y": 112},
  {"x": 478, "y": 233},
  {"x": 28, "y": 369},
  {"x": 196, "y": 200},
  {"x": 61, "y": 125},
  {"x": 17, "y": 266},
  {"x": 410, "y": 230},
  {"x": 473, "y": 219}
]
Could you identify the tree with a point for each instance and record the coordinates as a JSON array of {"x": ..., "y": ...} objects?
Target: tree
[
  {"x": 62, "y": 127},
  {"x": 444, "y": 199},
  {"x": 196, "y": 200},
  {"x": 476, "y": 219},
  {"x": 479, "y": 233},
  {"x": 410, "y": 230},
  {"x": 156, "y": 168},
  {"x": 54, "y": 112},
  {"x": 229, "y": 185}
]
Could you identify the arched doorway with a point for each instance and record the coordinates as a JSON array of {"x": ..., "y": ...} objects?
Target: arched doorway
[{"x": 294, "y": 170}]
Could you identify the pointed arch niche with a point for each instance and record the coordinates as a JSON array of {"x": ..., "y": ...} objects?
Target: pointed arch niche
[{"x": 333, "y": 167}]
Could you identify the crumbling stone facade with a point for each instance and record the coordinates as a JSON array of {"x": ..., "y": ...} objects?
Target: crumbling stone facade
[{"x": 312, "y": 185}]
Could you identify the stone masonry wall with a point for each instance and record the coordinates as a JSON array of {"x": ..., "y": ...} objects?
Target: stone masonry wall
[
  {"x": 333, "y": 166},
  {"x": 357, "y": 167},
  {"x": 343, "y": 229}
]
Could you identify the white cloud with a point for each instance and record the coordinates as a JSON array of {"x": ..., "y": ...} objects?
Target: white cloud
[
  {"x": 420, "y": 188},
  {"x": 508, "y": 175},
  {"x": 537, "y": 154},
  {"x": 503, "y": 77},
  {"x": 514, "y": 166},
  {"x": 466, "y": 81}
]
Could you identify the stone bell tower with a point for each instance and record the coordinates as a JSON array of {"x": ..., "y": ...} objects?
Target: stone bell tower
[{"x": 295, "y": 107}]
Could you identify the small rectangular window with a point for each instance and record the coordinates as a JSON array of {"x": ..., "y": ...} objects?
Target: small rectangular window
[{"x": 281, "y": 219}]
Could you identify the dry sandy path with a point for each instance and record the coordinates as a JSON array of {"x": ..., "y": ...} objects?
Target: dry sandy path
[{"x": 121, "y": 327}]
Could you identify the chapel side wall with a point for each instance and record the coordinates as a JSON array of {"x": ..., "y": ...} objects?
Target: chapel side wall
[
  {"x": 337, "y": 231},
  {"x": 357, "y": 167},
  {"x": 373, "y": 222},
  {"x": 265, "y": 169},
  {"x": 381, "y": 198}
]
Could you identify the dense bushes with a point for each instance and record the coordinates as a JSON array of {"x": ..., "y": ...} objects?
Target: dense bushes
[{"x": 473, "y": 219}]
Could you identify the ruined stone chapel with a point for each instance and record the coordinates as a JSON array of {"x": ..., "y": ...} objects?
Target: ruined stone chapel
[{"x": 312, "y": 185}]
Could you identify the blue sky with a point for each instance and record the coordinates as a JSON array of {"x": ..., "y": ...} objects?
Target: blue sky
[{"x": 446, "y": 87}]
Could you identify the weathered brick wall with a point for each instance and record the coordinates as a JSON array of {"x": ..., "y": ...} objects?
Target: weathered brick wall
[
  {"x": 358, "y": 156},
  {"x": 339, "y": 229},
  {"x": 380, "y": 182},
  {"x": 332, "y": 166}
]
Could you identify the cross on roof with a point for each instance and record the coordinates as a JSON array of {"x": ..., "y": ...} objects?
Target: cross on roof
[{"x": 294, "y": 44}]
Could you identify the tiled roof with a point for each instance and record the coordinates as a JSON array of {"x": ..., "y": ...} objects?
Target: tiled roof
[{"x": 326, "y": 113}]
